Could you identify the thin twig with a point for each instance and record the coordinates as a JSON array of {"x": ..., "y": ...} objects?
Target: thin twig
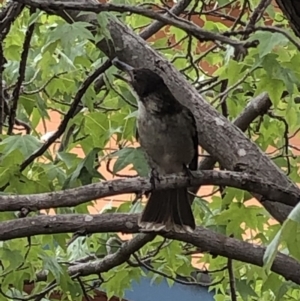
[
  {"x": 22, "y": 70},
  {"x": 63, "y": 125}
]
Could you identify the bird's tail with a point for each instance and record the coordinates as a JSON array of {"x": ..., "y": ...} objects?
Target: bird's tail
[{"x": 168, "y": 210}]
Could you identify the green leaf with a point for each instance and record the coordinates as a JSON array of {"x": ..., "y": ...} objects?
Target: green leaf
[
  {"x": 245, "y": 289},
  {"x": 271, "y": 251},
  {"x": 96, "y": 124},
  {"x": 282, "y": 291},
  {"x": 103, "y": 21},
  {"x": 34, "y": 17},
  {"x": 295, "y": 214},
  {"x": 284, "y": 234},
  {"x": 51, "y": 264},
  {"x": 67, "y": 158},
  {"x": 275, "y": 70},
  {"x": 118, "y": 281},
  {"x": 27, "y": 144},
  {"x": 234, "y": 72},
  {"x": 85, "y": 171},
  {"x": 11, "y": 258},
  {"x": 136, "y": 208},
  {"x": 268, "y": 41},
  {"x": 68, "y": 33},
  {"x": 134, "y": 156},
  {"x": 274, "y": 87}
]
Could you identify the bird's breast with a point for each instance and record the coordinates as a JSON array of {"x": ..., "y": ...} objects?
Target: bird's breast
[{"x": 166, "y": 139}]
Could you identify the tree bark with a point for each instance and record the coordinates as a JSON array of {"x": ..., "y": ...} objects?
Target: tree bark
[
  {"x": 204, "y": 239},
  {"x": 79, "y": 195}
]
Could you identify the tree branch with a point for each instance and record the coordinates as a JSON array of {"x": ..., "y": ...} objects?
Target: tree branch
[
  {"x": 79, "y": 195},
  {"x": 189, "y": 27},
  {"x": 21, "y": 78},
  {"x": 8, "y": 15},
  {"x": 206, "y": 240},
  {"x": 112, "y": 260},
  {"x": 258, "y": 106},
  {"x": 69, "y": 115},
  {"x": 155, "y": 26}
]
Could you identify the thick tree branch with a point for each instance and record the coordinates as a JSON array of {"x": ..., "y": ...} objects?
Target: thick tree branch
[
  {"x": 258, "y": 106},
  {"x": 77, "y": 196},
  {"x": 206, "y": 240}
]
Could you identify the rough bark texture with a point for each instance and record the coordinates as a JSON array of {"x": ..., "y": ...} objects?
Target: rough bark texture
[
  {"x": 204, "y": 239},
  {"x": 258, "y": 106},
  {"x": 217, "y": 136},
  {"x": 80, "y": 195}
]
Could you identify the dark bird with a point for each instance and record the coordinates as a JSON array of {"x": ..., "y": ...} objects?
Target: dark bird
[{"x": 167, "y": 133}]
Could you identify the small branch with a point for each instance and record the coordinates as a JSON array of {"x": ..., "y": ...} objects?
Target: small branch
[
  {"x": 149, "y": 268},
  {"x": 69, "y": 115},
  {"x": 44, "y": 85},
  {"x": 22, "y": 69},
  {"x": 231, "y": 280},
  {"x": 257, "y": 14},
  {"x": 285, "y": 138},
  {"x": 112, "y": 260},
  {"x": 241, "y": 14},
  {"x": 272, "y": 29},
  {"x": 224, "y": 93},
  {"x": 41, "y": 295},
  {"x": 23, "y": 124},
  {"x": 189, "y": 27},
  {"x": 80, "y": 195},
  {"x": 83, "y": 289},
  {"x": 8, "y": 15},
  {"x": 155, "y": 26},
  {"x": 2, "y": 87}
]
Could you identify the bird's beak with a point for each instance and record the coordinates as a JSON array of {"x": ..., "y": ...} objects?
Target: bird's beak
[{"x": 123, "y": 67}]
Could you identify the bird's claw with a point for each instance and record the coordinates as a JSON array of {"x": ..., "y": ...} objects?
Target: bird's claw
[
  {"x": 154, "y": 176},
  {"x": 189, "y": 174}
]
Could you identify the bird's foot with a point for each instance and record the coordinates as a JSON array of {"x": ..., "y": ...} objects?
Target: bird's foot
[
  {"x": 189, "y": 174},
  {"x": 154, "y": 176}
]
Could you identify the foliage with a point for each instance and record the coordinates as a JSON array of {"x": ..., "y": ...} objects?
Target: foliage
[{"x": 60, "y": 57}]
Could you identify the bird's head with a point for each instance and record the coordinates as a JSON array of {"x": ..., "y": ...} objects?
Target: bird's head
[
  {"x": 151, "y": 89},
  {"x": 143, "y": 81}
]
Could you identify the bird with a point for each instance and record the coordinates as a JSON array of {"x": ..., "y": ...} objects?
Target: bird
[{"x": 167, "y": 133}]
